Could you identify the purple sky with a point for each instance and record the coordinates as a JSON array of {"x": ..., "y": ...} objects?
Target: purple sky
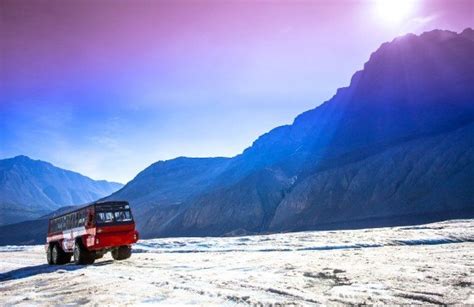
[{"x": 108, "y": 87}]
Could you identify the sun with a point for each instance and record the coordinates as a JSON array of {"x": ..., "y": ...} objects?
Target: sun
[{"x": 394, "y": 12}]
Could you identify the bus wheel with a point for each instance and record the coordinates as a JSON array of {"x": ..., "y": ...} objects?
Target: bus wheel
[
  {"x": 122, "y": 252},
  {"x": 82, "y": 255},
  {"x": 49, "y": 255},
  {"x": 67, "y": 257},
  {"x": 58, "y": 256}
]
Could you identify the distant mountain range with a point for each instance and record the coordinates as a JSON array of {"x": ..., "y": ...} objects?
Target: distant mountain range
[
  {"x": 394, "y": 147},
  {"x": 31, "y": 188}
]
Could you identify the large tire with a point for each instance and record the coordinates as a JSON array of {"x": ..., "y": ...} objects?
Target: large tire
[
  {"x": 122, "y": 252},
  {"x": 58, "y": 256},
  {"x": 82, "y": 255},
  {"x": 49, "y": 256}
]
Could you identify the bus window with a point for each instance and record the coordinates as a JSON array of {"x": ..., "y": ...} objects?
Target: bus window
[
  {"x": 105, "y": 217},
  {"x": 82, "y": 218},
  {"x": 122, "y": 216},
  {"x": 113, "y": 216}
]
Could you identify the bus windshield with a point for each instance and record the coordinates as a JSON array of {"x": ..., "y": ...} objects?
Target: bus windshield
[{"x": 113, "y": 217}]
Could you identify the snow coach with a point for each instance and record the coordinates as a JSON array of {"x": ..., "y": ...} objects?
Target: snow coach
[{"x": 87, "y": 233}]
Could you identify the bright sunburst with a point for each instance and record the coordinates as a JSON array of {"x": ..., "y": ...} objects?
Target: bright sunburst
[{"x": 394, "y": 12}]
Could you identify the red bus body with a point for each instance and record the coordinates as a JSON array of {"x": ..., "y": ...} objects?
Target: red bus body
[{"x": 97, "y": 228}]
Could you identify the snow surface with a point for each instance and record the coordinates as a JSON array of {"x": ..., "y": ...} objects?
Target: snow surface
[{"x": 427, "y": 264}]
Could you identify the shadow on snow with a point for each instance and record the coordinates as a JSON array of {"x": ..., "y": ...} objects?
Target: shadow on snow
[{"x": 34, "y": 270}]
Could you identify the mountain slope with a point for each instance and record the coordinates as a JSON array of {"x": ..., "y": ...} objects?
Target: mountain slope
[
  {"x": 427, "y": 175},
  {"x": 158, "y": 193},
  {"x": 31, "y": 188},
  {"x": 410, "y": 89},
  {"x": 394, "y": 147}
]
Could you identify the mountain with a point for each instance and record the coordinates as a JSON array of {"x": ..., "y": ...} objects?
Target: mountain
[
  {"x": 396, "y": 144},
  {"x": 32, "y": 188},
  {"x": 29, "y": 232},
  {"x": 167, "y": 185},
  {"x": 395, "y": 147}
]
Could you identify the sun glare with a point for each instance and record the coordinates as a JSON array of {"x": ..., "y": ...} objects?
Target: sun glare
[{"x": 394, "y": 12}]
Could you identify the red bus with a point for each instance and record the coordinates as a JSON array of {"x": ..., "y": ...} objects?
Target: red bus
[{"x": 89, "y": 232}]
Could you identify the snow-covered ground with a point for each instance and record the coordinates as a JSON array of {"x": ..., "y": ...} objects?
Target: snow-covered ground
[{"x": 425, "y": 264}]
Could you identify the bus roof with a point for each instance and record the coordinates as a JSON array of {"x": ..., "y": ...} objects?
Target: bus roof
[{"x": 105, "y": 204}]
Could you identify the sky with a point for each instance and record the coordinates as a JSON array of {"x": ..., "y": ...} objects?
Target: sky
[{"x": 106, "y": 88}]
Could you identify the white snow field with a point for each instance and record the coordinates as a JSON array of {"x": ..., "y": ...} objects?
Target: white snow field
[{"x": 427, "y": 264}]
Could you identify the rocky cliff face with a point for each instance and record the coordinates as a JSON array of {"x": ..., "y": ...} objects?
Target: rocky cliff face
[
  {"x": 31, "y": 188},
  {"x": 427, "y": 175}
]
